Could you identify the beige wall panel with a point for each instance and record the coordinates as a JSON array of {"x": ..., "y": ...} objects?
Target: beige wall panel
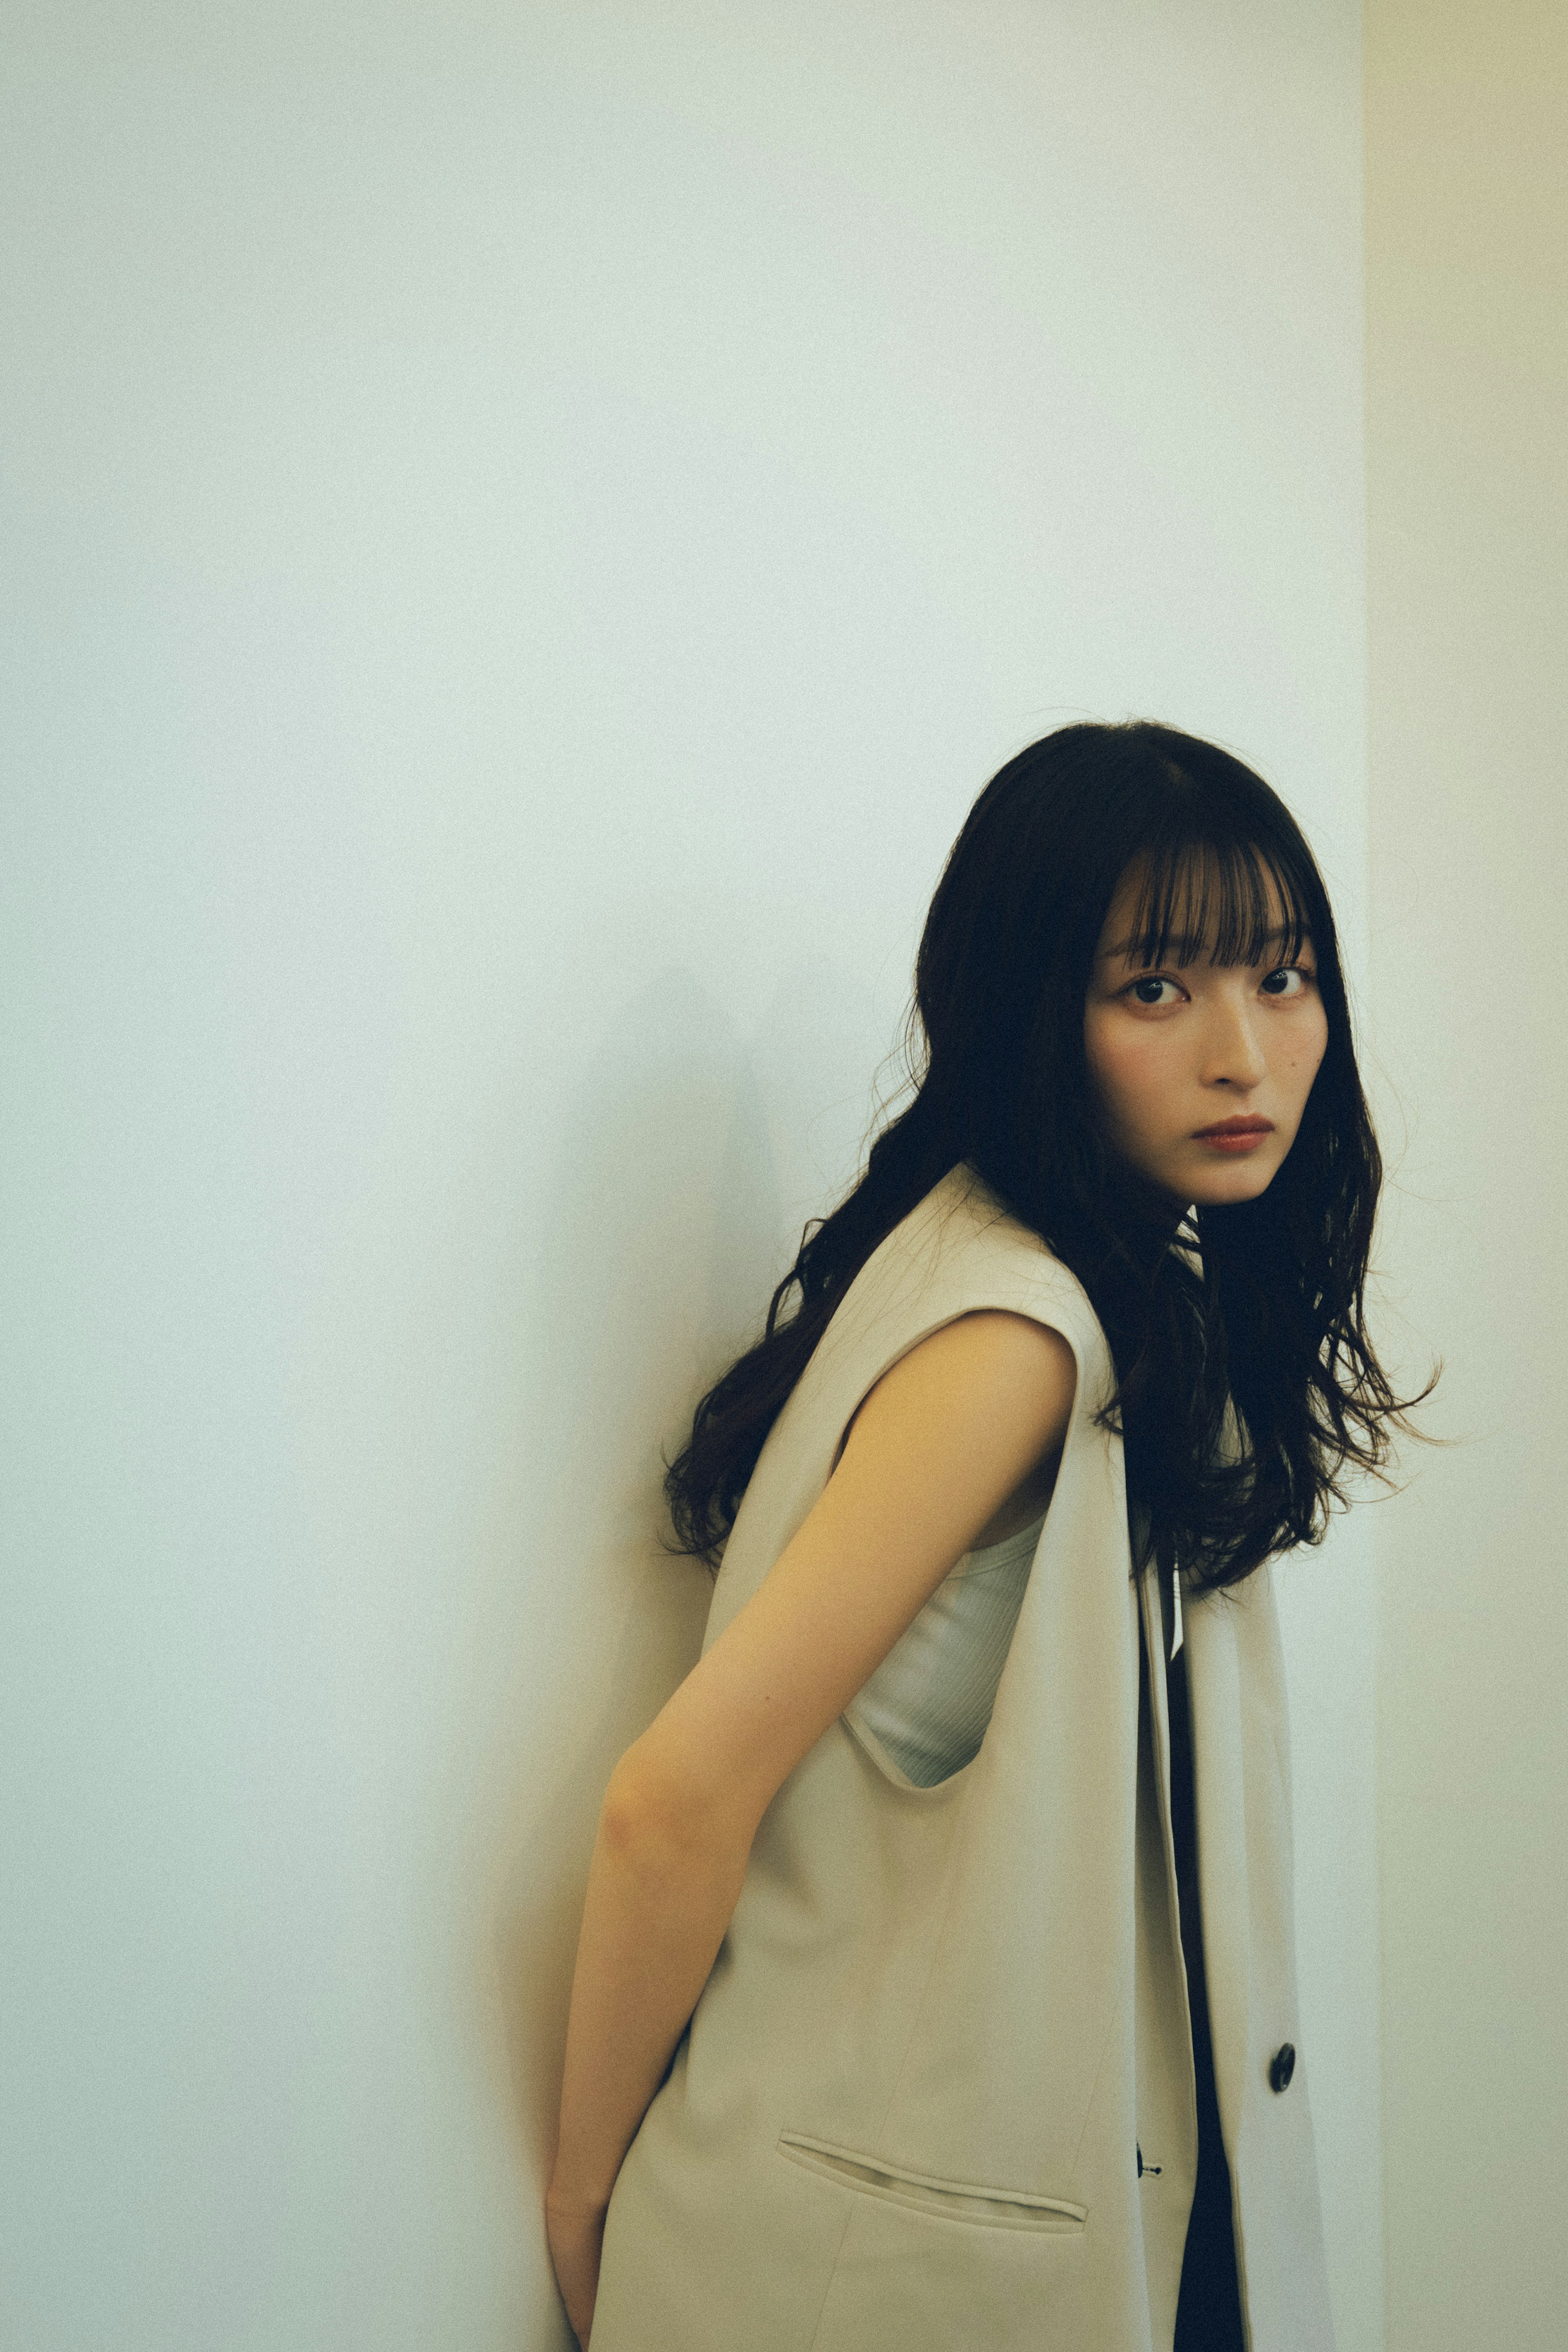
[{"x": 1467, "y": 187}]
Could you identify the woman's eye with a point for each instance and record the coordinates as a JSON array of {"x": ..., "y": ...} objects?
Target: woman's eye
[
  {"x": 1150, "y": 983},
  {"x": 1290, "y": 971}
]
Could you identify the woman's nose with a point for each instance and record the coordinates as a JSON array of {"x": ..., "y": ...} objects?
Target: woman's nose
[{"x": 1234, "y": 1047}]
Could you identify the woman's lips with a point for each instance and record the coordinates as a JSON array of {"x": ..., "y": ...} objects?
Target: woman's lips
[{"x": 1235, "y": 1137}]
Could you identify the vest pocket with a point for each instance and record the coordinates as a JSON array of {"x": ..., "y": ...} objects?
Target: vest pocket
[{"x": 947, "y": 2201}]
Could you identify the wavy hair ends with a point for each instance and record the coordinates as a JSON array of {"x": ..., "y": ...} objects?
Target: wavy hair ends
[{"x": 1258, "y": 1305}]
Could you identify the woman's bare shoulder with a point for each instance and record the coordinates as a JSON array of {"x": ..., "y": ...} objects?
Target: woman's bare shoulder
[{"x": 988, "y": 1361}]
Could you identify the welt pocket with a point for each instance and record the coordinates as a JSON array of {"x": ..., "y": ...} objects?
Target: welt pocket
[{"x": 947, "y": 2201}]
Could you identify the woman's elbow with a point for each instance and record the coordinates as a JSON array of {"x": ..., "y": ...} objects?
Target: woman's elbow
[
  {"x": 628, "y": 1816},
  {"x": 651, "y": 1817}
]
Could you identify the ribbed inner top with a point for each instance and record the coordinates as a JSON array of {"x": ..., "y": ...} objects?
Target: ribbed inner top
[{"x": 930, "y": 1700}]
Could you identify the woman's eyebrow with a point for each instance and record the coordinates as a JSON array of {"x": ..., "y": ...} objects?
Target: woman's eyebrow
[{"x": 1274, "y": 938}]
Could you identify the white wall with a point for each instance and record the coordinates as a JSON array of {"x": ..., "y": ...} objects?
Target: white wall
[
  {"x": 527, "y": 529},
  {"x": 1467, "y": 481}
]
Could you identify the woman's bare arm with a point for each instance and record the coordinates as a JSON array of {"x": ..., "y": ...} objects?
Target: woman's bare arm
[{"x": 937, "y": 1448}]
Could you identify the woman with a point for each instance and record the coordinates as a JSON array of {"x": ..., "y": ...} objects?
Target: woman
[{"x": 911, "y": 2011}]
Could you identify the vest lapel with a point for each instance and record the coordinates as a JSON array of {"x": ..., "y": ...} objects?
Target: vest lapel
[{"x": 1218, "y": 1765}]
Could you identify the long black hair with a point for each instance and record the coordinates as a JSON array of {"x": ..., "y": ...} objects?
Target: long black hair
[{"x": 1261, "y": 1306}]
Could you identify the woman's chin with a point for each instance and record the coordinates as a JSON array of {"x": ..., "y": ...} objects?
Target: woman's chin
[{"x": 1218, "y": 1187}]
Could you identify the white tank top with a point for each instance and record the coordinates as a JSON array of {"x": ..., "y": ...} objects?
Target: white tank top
[{"x": 930, "y": 1700}]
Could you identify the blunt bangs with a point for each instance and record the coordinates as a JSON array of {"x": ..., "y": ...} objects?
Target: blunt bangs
[{"x": 1232, "y": 889}]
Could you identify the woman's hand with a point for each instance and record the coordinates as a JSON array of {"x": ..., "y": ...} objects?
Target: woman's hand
[{"x": 576, "y": 2235}]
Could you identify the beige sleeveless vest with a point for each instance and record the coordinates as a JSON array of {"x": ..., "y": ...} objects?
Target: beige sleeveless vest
[{"x": 938, "y": 2095}]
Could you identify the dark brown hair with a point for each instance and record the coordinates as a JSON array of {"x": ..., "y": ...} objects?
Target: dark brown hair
[{"x": 1264, "y": 1305}]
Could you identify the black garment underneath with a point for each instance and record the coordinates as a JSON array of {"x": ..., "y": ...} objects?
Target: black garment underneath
[{"x": 1208, "y": 2314}]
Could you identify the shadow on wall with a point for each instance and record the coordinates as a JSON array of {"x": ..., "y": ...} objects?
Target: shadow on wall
[{"x": 657, "y": 1249}]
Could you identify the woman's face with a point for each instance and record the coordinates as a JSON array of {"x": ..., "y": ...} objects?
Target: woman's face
[{"x": 1177, "y": 1047}]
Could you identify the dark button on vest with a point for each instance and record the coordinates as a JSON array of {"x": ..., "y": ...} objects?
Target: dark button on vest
[{"x": 1281, "y": 2066}]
